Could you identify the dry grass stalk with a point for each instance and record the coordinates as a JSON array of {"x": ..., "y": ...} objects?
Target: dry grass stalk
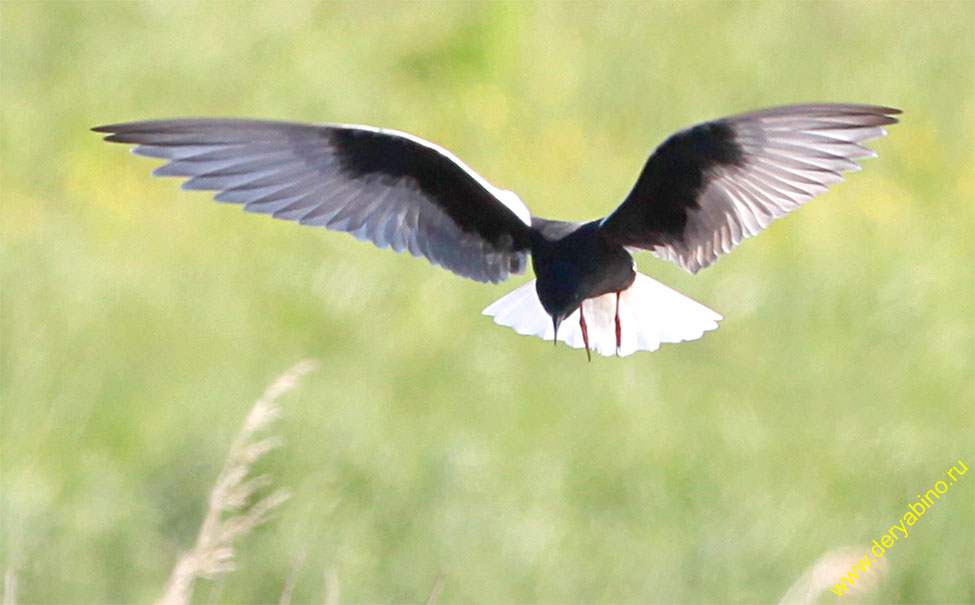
[
  {"x": 289, "y": 584},
  {"x": 10, "y": 587},
  {"x": 436, "y": 589},
  {"x": 230, "y": 515},
  {"x": 332, "y": 589},
  {"x": 824, "y": 574}
]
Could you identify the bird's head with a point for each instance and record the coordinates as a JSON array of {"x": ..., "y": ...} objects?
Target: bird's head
[{"x": 560, "y": 298}]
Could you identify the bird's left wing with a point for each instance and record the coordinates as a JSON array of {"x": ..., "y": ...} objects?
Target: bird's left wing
[
  {"x": 707, "y": 188},
  {"x": 388, "y": 187}
]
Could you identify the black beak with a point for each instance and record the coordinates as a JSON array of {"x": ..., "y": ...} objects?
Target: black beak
[{"x": 555, "y": 324}]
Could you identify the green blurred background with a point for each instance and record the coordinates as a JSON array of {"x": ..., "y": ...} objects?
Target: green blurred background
[{"x": 139, "y": 322}]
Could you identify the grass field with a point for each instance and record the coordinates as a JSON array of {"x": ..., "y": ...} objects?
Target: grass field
[{"x": 139, "y": 323}]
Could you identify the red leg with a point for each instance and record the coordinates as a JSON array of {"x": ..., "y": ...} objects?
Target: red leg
[
  {"x": 619, "y": 331},
  {"x": 585, "y": 333}
]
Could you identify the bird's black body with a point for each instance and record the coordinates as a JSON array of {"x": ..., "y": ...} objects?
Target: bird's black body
[
  {"x": 701, "y": 193},
  {"x": 574, "y": 262}
]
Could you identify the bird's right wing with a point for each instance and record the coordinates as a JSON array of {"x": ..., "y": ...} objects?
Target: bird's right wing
[
  {"x": 388, "y": 187},
  {"x": 707, "y": 188}
]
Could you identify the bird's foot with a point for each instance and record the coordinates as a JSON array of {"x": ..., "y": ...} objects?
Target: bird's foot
[
  {"x": 619, "y": 330},
  {"x": 585, "y": 333}
]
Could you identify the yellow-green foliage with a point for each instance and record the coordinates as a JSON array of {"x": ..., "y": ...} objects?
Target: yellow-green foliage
[{"x": 138, "y": 320}]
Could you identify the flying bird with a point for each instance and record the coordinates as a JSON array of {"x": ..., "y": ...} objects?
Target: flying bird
[{"x": 701, "y": 193}]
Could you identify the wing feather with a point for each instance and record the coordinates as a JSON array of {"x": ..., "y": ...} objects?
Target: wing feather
[
  {"x": 709, "y": 187},
  {"x": 384, "y": 186}
]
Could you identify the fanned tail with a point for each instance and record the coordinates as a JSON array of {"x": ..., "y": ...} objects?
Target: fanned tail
[{"x": 650, "y": 314}]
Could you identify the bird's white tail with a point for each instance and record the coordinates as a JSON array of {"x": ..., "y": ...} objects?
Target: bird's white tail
[{"x": 650, "y": 314}]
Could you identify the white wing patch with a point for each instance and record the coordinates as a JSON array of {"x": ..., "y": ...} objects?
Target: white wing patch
[{"x": 650, "y": 314}]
